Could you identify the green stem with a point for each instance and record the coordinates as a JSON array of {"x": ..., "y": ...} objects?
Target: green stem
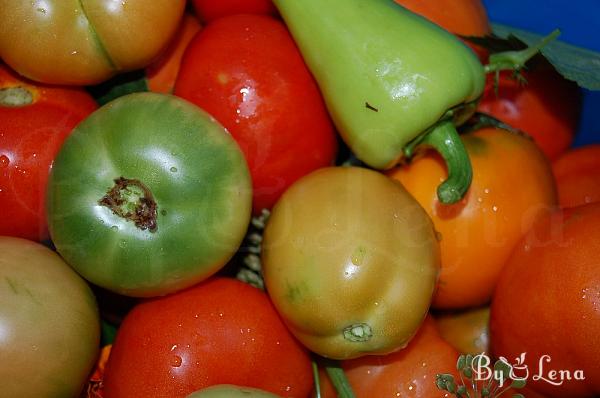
[
  {"x": 445, "y": 140},
  {"x": 338, "y": 379},
  {"x": 515, "y": 60},
  {"x": 316, "y": 379}
]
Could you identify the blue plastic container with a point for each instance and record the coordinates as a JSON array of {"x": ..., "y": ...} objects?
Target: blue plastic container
[{"x": 579, "y": 22}]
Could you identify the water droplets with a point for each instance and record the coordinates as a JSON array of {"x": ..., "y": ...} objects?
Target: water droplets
[
  {"x": 173, "y": 169},
  {"x": 4, "y": 161},
  {"x": 176, "y": 361}
]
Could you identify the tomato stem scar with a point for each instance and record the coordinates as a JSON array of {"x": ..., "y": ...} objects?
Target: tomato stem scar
[
  {"x": 358, "y": 332},
  {"x": 133, "y": 201}
]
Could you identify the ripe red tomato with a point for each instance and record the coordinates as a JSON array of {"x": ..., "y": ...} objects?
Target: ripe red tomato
[
  {"x": 547, "y": 302},
  {"x": 34, "y": 121},
  {"x": 221, "y": 331},
  {"x": 577, "y": 174},
  {"x": 410, "y": 372},
  {"x": 247, "y": 72},
  {"x": 547, "y": 107},
  {"x": 207, "y": 10}
]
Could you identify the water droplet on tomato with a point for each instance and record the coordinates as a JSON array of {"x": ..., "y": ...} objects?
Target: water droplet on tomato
[
  {"x": 122, "y": 244},
  {"x": 176, "y": 361},
  {"x": 114, "y": 228},
  {"x": 173, "y": 169},
  {"x": 4, "y": 161}
]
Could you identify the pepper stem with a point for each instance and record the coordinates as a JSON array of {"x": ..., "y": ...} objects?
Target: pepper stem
[
  {"x": 515, "y": 60},
  {"x": 444, "y": 138}
]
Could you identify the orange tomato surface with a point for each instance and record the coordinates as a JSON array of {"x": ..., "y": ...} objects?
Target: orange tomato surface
[{"x": 512, "y": 183}]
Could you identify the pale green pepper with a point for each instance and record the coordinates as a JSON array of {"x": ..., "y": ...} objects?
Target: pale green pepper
[{"x": 391, "y": 79}]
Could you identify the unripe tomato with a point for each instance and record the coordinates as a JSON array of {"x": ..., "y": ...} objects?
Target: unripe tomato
[
  {"x": 350, "y": 261},
  {"x": 512, "y": 183},
  {"x": 86, "y": 41}
]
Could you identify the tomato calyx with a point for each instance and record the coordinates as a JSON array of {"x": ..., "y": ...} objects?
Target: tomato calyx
[
  {"x": 15, "y": 96},
  {"x": 132, "y": 200}
]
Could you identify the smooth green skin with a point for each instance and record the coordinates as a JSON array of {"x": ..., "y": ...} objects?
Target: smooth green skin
[
  {"x": 377, "y": 52},
  {"x": 231, "y": 391},
  {"x": 196, "y": 172},
  {"x": 49, "y": 323}
]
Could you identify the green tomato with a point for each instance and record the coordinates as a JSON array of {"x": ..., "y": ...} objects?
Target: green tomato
[
  {"x": 49, "y": 323},
  {"x": 350, "y": 261},
  {"x": 149, "y": 195},
  {"x": 231, "y": 391}
]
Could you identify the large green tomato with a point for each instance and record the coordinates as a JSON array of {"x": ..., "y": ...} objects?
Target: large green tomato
[
  {"x": 49, "y": 323},
  {"x": 148, "y": 195},
  {"x": 350, "y": 260}
]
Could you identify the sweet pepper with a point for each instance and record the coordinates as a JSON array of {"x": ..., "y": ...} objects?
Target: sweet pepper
[{"x": 393, "y": 80}]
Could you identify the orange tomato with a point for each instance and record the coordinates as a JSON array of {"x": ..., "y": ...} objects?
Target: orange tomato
[
  {"x": 467, "y": 331},
  {"x": 547, "y": 108},
  {"x": 577, "y": 174},
  {"x": 410, "y": 372},
  {"x": 547, "y": 302},
  {"x": 161, "y": 74},
  {"x": 512, "y": 183},
  {"x": 461, "y": 17}
]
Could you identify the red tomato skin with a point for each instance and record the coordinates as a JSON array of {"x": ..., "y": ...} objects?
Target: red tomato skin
[
  {"x": 577, "y": 174},
  {"x": 30, "y": 137},
  {"x": 247, "y": 72},
  {"x": 221, "y": 331},
  {"x": 547, "y": 302},
  {"x": 208, "y": 10},
  {"x": 547, "y": 108}
]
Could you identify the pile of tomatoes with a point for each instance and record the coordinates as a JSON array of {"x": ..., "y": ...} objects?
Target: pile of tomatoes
[{"x": 135, "y": 217}]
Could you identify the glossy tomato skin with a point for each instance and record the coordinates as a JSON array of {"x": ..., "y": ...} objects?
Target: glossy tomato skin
[
  {"x": 547, "y": 108},
  {"x": 49, "y": 322},
  {"x": 350, "y": 261},
  {"x": 221, "y": 331},
  {"x": 467, "y": 331},
  {"x": 577, "y": 174},
  {"x": 246, "y": 71},
  {"x": 410, "y": 372},
  {"x": 196, "y": 178},
  {"x": 208, "y": 10},
  {"x": 512, "y": 184},
  {"x": 85, "y": 42},
  {"x": 547, "y": 301},
  {"x": 32, "y": 129}
]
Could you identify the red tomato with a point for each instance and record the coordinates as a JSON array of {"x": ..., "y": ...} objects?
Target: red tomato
[
  {"x": 207, "y": 10},
  {"x": 577, "y": 174},
  {"x": 409, "y": 372},
  {"x": 547, "y": 302},
  {"x": 32, "y": 128},
  {"x": 547, "y": 107},
  {"x": 247, "y": 72},
  {"x": 221, "y": 331}
]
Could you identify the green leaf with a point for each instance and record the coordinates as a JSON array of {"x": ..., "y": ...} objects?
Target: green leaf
[
  {"x": 574, "y": 63},
  {"x": 120, "y": 85},
  {"x": 518, "y": 383}
]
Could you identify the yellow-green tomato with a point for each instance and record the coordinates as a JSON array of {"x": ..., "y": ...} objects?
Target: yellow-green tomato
[
  {"x": 84, "y": 41},
  {"x": 350, "y": 261},
  {"x": 49, "y": 323},
  {"x": 231, "y": 391}
]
